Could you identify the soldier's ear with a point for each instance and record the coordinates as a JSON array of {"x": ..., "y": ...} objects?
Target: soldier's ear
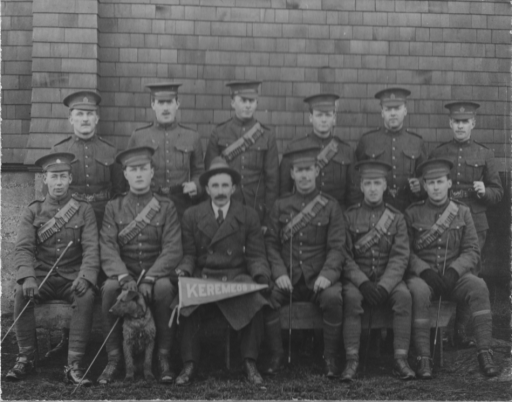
[
  {"x": 473, "y": 123},
  {"x": 45, "y": 177},
  {"x": 70, "y": 178}
]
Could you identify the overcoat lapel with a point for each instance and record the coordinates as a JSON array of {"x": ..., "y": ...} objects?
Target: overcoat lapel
[
  {"x": 207, "y": 223},
  {"x": 230, "y": 224}
]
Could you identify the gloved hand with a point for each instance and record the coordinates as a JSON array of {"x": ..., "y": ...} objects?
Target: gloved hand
[
  {"x": 30, "y": 288},
  {"x": 383, "y": 294},
  {"x": 146, "y": 290},
  {"x": 370, "y": 293},
  {"x": 433, "y": 280},
  {"x": 262, "y": 280},
  {"x": 128, "y": 283},
  {"x": 450, "y": 278},
  {"x": 80, "y": 286}
]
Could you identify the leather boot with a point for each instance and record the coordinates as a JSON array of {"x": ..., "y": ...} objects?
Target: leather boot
[
  {"x": 332, "y": 337},
  {"x": 462, "y": 340},
  {"x": 424, "y": 367},
  {"x": 275, "y": 343},
  {"x": 331, "y": 367},
  {"x": 350, "y": 370},
  {"x": 486, "y": 362},
  {"x": 110, "y": 370},
  {"x": 167, "y": 375},
  {"x": 187, "y": 374},
  {"x": 253, "y": 376},
  {"x": 402, "y": 369},
  {"x": 61, "y": 347},
  {"x": 23, "y": 367},
  {"x": 74, "y": 374}
]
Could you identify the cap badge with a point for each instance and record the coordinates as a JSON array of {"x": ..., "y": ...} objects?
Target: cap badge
[
  {"x": 462, "y": 110},
  {"x": 85, "y": 100},
  {"x": 58, "y": 161},
  {"x": 392, "y": 96}
]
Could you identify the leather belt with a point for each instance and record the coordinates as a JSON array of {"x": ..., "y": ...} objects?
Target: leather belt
[{"x": 103, "y": 195}]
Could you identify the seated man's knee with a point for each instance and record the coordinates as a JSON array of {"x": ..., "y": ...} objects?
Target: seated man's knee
[
  {"x": 352, "y": 300},
  {"x": 331, "y": 298},
  {"x": 420, "y": 292},
  {"x": 163, "y": 290}
]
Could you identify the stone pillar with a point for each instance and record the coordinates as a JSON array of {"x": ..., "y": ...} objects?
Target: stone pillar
[{"x": 64, "y": 59}]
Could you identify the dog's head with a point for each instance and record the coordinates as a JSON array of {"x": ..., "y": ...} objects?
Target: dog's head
[{"x": 129, "y": 304}]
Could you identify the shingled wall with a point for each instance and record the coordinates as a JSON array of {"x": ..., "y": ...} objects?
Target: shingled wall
[{"x": 441, "y": 50}]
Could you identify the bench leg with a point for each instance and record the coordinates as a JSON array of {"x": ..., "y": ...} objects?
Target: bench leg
[
  {"x": 441, "y": 356},
  {"x": 228, "y": 347}
]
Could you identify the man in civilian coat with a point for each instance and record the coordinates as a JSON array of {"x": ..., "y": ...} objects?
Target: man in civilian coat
[
  {"x": 141, "y": 230},
  {"x": 45, "y": 229},
  {"x": 249, "y": 147},
  {"x": 222, "y": 240}
]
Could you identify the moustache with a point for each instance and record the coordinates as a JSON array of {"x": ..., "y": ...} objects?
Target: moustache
[{"x": 221, "y": 197}]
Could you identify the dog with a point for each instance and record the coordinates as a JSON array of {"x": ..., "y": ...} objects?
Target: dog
[{"x": 139, "y": 331}]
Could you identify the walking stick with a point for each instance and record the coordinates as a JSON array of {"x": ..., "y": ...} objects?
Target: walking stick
[
  {"x": 105, "y": 341},
  {"x": 40, "y": 286},
  {"x": 291, "y": 302},
  {"x": 439, "y": 305}
]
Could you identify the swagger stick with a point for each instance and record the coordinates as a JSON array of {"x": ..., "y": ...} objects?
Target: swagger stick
[
  {"x": 291, "y": 301},
  {"x": 439, "y": 306},
  {"x": 40, "y": 286},
  {"x": 105, "y": 341}
]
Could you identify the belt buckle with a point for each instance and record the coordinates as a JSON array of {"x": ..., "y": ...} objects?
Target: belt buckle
[
  {"x": 89, "y": 197},
  {"x": 165, "y": 190}
]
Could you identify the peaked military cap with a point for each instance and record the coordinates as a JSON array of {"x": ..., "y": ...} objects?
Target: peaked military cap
[
  {"x": 322, "y": 102},
  {"x": 373, "y": 169},
  {"x": 303, "y": 157},
  {"x": 434, "y": 168},
  {"x": 462, "y": 110},
  {"x": 56, "y": 162},
  {"x": 246, "y": 89},
  {"x": 135, "y": 156},
  {"x": 392, "y": 96},
  {"x": 165, "y": 90},
  {"x": 83, "y": 100},
  {"x": 218, "y": 166}
]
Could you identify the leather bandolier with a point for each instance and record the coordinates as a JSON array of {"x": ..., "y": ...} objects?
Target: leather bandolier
[
  {"x": 243, "y": 143},
  {"x": 374, "y": 235},
  {"x": 305, "y": 216},
  {"x": 437, "y": 230},
  {"x": 326, "y": 154},
  {"x": 58, "y": 221},
  {"x": 139, "y": 223}
]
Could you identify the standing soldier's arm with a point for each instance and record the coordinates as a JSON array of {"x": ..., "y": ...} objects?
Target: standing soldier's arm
[
  {"x": 25, "y": 249},
  {"x": 491, "y": 178},
  {"x": 353, "y": 193},
  {"x": 90, "y": 248},
  {"x": 172, "y": 252},
  {"x": 197, "y": 165},
  {"x": 469, "y": 250},
  {"x": 212, "y": 150},
  {"x": 110, "y": 252},
  {"x": 273, "y": 244},
  {"x": 190, "y": 251},
  {"x": 398, "y": 257},
  {"x": 285, "y": 180},
  {"x": 332, "y": 268},
  {"x": 360, "y": 150},
  {"x": 119, "y": 184},
  {"x": 271, "y": 173}
]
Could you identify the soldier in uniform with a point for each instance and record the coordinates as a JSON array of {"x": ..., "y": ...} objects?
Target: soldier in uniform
[
  {"x": 377, "y": 250},
  {"x": 222, "y": 240},
  {"x": 335, "y": 157},
  {"x": 444, "y": 253},
  {"x": 403, "y": 149},
  {"x": 311, "y": 224},
  {"x": 96, "y": 176},
  {"x": 141, "y": 231},
  {"x": 46, "y": 228},
  {"x": 178, "y": 151},
  {"x": 249, "y": 147},
  {"x": 476, "y": 183}
]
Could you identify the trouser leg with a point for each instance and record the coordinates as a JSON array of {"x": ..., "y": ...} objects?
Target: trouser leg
[
  {"x": 190, "y": 345},
  {"x": 26, "y": 324},
  {"x": 473, "y": 291},
  {"x": 331, "y": 303},
  {"x": 273, "y": 335},
  {"x": 420, "y": 293},
  {"x": 352, "y": 314},
  {"x": 163, "y": 294},
  {"x": 110, "y": 291},
  {"x": 251, "y": 337},
  {"x": 400, "y": 301}
]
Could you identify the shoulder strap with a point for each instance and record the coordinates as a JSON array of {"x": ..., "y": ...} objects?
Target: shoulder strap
[
  {"x": 326, "y": 154},
  {"x": 243, "y": 143},
  {"x": 305, "y": 216},
  {"x": 437, "y": 230},
  {"x": 374, "y": 235},
  {"x": 58, "y": 221},
  {"x": 139, "y": 223}
]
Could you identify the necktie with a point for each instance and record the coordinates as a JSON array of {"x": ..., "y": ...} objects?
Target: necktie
[{"x": 220, "y": 217}]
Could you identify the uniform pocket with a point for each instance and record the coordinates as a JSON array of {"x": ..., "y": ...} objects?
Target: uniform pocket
[
  {"x": 74, "y": 229},
  {"x": 373, "y": 153},
  {"x": 103, "y": 169},
  {"x": 317, "y": 231},
  {"x": 410, "y": 158},
  {"x": 255, "y": 155},
  {"x": 475, "y": 169},
  {"x": 182, "y": 156}
]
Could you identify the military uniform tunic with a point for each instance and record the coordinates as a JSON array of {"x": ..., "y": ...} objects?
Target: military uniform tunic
[
  {"x": 178, "y": 159},
  {"x": 384, "y": 263},
  {"x": 258, "y": 166},
  {"x": 335, "y": 179},
  {"x": 35, "y": 259},
  {"x": 472, "y": 161},
  {"x": 156, "y": 249},
  {"x": 404, "y": 150},
  {"x": 96, "y": 175}
]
